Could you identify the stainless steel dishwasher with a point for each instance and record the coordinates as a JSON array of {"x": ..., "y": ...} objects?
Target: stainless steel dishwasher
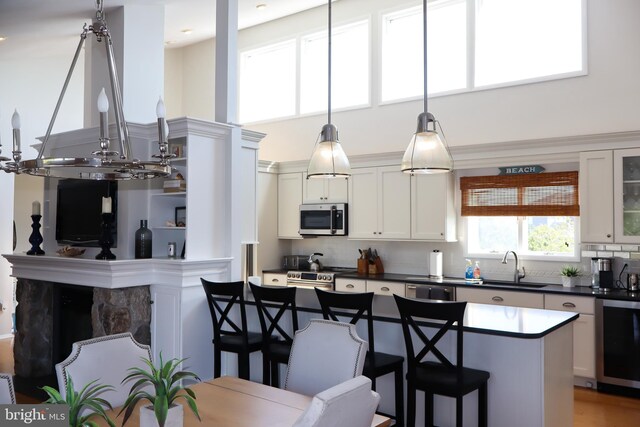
[{"x": 429, "y": 291}]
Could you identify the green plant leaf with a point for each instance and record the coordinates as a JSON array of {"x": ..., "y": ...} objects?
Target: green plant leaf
[
  {"x": 192, "y": 404},
  {"x": 161, "y": 408}
]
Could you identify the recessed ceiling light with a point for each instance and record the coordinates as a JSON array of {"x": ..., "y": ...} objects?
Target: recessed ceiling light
[
  {"x": 261, "y": 6},
  {"x": 2, "y": 38},
  {"x": 169, "y": 42},
  {"x": 187, "y": 31}
]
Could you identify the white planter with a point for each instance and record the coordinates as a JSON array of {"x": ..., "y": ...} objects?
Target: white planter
[
  {"x": 570, "y": 281},
  {"x": 175, "y": 416}
]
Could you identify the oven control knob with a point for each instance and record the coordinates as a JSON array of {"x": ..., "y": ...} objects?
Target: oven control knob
[
  {"x": 297, "y": 275},
  {"x": 289, "y": 275}
]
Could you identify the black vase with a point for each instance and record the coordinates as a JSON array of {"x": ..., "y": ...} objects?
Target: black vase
[{"x": 144, "y": 240}]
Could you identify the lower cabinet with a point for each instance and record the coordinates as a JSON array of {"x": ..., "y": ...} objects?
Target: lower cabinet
[
  {"x": 584, "y": 331},
  {"x": 500, "y": 297},
  {"x": 378, "y": 287},
  {"x": 274, "y": 279}
]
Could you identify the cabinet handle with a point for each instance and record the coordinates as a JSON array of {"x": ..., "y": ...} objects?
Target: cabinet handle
[
  {"x": 275, "y": 280},
  {"x": 569, "y": 304},
  {"x": 350, "y": 286},
  {"x": 497, "y": 299},
  {"x": 608, "y": 235},
  {"x": 384, "y": 288}
]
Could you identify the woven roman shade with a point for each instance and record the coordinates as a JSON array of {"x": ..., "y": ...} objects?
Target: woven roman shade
[{"x": 544, "y": 194}]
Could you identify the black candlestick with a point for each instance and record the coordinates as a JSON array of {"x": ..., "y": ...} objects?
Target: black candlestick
[
  {"x": 106, "y": 241},
  {"x": 36, "y": 238}
]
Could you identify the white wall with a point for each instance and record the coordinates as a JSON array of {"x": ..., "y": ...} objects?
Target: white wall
[{"x": 603, "y": 101}]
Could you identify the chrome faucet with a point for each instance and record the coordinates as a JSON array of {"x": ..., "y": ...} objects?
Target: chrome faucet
[{"x": 516, "y": 275}]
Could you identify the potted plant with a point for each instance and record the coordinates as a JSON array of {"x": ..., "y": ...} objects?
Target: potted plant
[
  {"x": 79, "y": 401},
  {"x": 163, "y": 411},
  {"x": 570, "y": 276}
]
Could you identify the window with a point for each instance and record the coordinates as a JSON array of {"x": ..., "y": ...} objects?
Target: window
[
  {"x": 402, "y": 47},
  {"x": 268, "y": 82},
  {"x": 349, "y": 64},
  {"x": 480, "y": 43},
  {"x": 535, "y": 215}
]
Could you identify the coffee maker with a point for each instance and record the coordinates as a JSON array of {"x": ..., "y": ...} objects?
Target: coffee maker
[{"x": 602, "y": 273}]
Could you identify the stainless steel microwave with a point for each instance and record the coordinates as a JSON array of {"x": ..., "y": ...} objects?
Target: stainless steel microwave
[{"x": 324, "y": 219}]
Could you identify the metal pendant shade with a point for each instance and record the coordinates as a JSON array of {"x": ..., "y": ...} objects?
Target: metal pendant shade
[
  {"x": 427, "y": 152},
  {"x": 328, "y": 159}
]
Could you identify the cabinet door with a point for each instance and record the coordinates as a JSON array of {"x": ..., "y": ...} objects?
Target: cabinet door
[
  {"x": 363, "y": 203},
  {"x": 596, "y": 197},
  {"x": 499, "y": 297},
  {"x": 337, "y": 190},
  {"x": 332, "y": 190},
  {"x": 394, "y": 203},
  {"x": 626, "y": 195},
  {"x": 584, "y": 346},
  {"x": 380, "y": 287},
  {"x": 350, "y": 285},
  {"x": 274, "y": 279},
  {"x": 289, "y": 200},
  {"x": 433, "y": 215}
]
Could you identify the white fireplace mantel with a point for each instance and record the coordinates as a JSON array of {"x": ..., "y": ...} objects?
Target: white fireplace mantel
[{"x": 118, "y": 273}]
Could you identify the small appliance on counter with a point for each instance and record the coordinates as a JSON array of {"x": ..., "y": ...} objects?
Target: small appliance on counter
[
  {"x": 602, "y": 273},
  {"x": 295, "y": 262}
]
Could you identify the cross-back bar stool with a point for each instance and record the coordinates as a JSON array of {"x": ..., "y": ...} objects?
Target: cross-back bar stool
[
  {"x": 376, "y": 364},
  {"x": 227, "y": 335},
  {"x": 442, "y": 377},
  {"x": 275, "y": 351}
]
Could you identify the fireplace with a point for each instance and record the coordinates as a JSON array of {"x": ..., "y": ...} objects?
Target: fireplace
[{"x": 50, "y": 317}]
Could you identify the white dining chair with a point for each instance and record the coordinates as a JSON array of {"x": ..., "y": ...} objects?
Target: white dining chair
[
  {"x": 106, "y": 359},
  {"x": 348, "y": 404},
  {"x": 7, "y": 395},
  {"x": 323, "y": 354}
]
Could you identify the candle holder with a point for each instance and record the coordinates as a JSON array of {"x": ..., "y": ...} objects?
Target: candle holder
[
  {"x": 106, "y": 241},
  {"x": 36, "y": 238}
]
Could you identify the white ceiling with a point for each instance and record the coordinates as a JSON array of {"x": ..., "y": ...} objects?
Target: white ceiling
[{"x": 39, "y": 28}]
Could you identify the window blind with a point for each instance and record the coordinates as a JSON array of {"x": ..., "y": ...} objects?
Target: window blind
[{"x": 545, "y": 194}]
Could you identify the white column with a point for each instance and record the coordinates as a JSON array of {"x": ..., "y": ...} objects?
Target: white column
[
  {"x": 226, "y": 61},
  {"x": 6, "y": 247}
]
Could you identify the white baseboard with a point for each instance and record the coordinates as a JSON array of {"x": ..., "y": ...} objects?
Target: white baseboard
[{"x": 5, "y": 336}]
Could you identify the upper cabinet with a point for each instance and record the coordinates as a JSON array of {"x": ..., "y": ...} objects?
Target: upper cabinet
[
  {"x": 379, "y": 203},
  {"x": 433, "y": 215},
  {"x": 289, "y": 200},
  {"x": 626, "y": 195},
  {"x": 596, "y": 196},
  {"x": 332, "y": 190}
]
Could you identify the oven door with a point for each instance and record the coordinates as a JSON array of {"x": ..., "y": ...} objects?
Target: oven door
[
  {"x": 427, "y": 291},
  {"x": 618, "y": 343},
  {"x": 323, "y": 220}
]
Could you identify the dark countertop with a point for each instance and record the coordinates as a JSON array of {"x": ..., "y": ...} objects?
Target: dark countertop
[{"x": 616, "y": 294}]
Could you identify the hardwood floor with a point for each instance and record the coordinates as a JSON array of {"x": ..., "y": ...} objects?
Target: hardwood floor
[{"x": 591, "y": 409}]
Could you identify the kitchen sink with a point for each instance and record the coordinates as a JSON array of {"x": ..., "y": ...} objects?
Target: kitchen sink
[{"x": 520, "y": 285}]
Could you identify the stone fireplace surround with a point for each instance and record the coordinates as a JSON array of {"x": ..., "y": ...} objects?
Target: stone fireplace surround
[{"x": 39, "y": 333}]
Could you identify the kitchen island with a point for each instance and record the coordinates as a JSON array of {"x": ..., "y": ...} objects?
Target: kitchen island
[{"x": 528, "y": 352}]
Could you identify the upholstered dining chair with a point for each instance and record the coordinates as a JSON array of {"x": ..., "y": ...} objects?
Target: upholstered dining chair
[
  {"x": 7, "y": 395},
  {"x": 348, "y": 404},
  {"x": 106, "y": 359},
  {"x": 324, "y": 354}
]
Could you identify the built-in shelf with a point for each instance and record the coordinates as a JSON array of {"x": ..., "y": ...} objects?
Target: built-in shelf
[
  {"x": 168, "y": 228},
  {"x": 174, "y": 194}
]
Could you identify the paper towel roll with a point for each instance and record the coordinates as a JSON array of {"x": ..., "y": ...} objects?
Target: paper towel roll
[{"x": 435, "y": 264}]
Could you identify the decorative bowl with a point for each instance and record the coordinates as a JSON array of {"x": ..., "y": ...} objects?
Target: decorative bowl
[{"x": 69, "y": 251}]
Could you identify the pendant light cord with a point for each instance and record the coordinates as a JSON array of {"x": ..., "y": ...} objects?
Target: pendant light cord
[
  {"x": 424, "y": 47},
  {"x": 329, "y": 68}
]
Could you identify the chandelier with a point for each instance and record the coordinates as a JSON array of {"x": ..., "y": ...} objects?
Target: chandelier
[{"x": 105, "y": 163}]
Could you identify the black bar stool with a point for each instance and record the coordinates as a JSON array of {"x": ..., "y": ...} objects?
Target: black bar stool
[
  {"x": 275, "y": 351},
  {"x": 227, "y": 336},
  {"x": 443, "y": 377},
  {"x": 376, "y": 364}
]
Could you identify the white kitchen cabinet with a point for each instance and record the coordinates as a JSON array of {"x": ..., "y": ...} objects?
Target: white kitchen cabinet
[
  {"x": 333, "y": 190},
  {"x": 289, "y": 200},
  {"x": 596, "y": 196},
  {"x": 433, "y": 215},
  {"x": 584, "y": 332},
  {"x": 500, "y": 297},
  {"x": 379, "y": 204},
  {"x": 274, "y": 279},
  {"x": 386, "y": 288},
  {"x": 350, "y": 285},
  {"x": 626, "y": 195}
]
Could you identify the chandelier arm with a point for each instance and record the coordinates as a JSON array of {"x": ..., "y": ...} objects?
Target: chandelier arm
[
  {"x": 83, "y": 37},
  {"x": 121, "y": 124}
]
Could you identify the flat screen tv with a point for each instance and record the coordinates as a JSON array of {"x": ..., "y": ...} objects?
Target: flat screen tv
[{"x": 79, "y": 212}]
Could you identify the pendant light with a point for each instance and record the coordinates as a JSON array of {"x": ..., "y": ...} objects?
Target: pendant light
[
  {"x": 328, "y": 159},
  {"x": 427, "y": 153}
]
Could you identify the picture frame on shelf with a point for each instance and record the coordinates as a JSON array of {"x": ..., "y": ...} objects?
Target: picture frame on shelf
[
  {"x": 181, "y": 216},
  {"x": 176, "y": 149}
]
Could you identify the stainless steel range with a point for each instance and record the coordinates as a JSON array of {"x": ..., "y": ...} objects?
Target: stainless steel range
[{"x": 308, "y": 279}]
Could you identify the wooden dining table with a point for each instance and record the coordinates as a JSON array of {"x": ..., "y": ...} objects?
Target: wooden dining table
[{"x": 234, "y": 402}]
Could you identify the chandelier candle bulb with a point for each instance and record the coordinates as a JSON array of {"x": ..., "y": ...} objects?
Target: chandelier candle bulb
[
  {"x": 15, "y": 124},
  {"x": 103, "y": 109},
  {"x": 106, "y": 205},
  {"x": 162, "y": 124},
  {"x": 35, "y": 208}
]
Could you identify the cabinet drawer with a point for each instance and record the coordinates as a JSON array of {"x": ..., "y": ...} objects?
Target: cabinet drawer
[
  {"x": 350, "y": 285},
  {"x": 385, "y": 288},
  {"x": 274, "y": 279},
  {"x": 573, "y": 303},
  {"x": 499, "y": 297}
]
